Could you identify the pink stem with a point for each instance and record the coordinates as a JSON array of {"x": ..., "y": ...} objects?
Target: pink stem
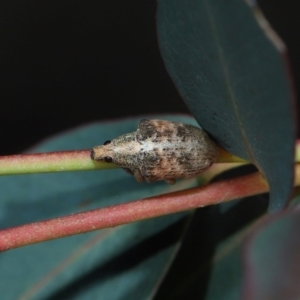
[{"x": 133, "y": 211}]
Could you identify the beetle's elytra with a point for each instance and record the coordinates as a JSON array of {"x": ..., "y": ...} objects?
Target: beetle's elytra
[{"x": 160, "y": 150}]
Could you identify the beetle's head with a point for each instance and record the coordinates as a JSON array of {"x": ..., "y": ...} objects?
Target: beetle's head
[{"x": 103, "y": 153}]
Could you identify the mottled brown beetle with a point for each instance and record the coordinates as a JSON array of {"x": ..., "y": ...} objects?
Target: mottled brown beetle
[{"x": 160, "y": 150}]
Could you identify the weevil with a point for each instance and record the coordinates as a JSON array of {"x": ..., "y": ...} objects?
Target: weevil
[{"x": 160, "y": 150}]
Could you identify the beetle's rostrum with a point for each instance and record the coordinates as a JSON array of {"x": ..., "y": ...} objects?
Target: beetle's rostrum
[{"x": 160, "y": 150}]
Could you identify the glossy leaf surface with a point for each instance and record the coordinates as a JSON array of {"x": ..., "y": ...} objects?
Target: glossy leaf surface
[
  {"x": 120, "y": 262},
  {"x": 234, "y": 81},
  {"x": 272, "y": 259}
]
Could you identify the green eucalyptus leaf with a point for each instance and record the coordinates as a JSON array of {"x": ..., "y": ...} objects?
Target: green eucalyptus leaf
[
  {"x": 272, "y": 259},
  {"x": 234, "y": 81},
  {"x": 121, "y": 263}
]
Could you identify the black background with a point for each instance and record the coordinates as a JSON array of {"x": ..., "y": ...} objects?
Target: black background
[{"x": 69, "y": 62}]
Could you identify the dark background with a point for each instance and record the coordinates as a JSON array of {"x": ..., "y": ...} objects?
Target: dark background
[{"x": 68, "y": 62}]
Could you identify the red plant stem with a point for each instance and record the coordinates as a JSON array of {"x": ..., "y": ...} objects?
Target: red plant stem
[{"x": 133, "y": 211}]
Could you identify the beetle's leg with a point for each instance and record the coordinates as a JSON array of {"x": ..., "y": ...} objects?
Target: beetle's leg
[
  {"x": 128, "y": 171},
  {"x": 170, "y": 181},
  {"x": 138, "y": 175}
]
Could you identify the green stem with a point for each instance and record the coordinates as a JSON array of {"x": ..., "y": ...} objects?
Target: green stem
[
  {"x": 80, "y": 160},
  {"x": 297, "y": 152},
  {"x": 50, "y": 162}
]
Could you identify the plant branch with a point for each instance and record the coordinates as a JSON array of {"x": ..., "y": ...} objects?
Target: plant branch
[
  {"x": 79, "y": 160},
  {"x": 62, "y": 161},
  {"x": 133, "y": 211}
]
